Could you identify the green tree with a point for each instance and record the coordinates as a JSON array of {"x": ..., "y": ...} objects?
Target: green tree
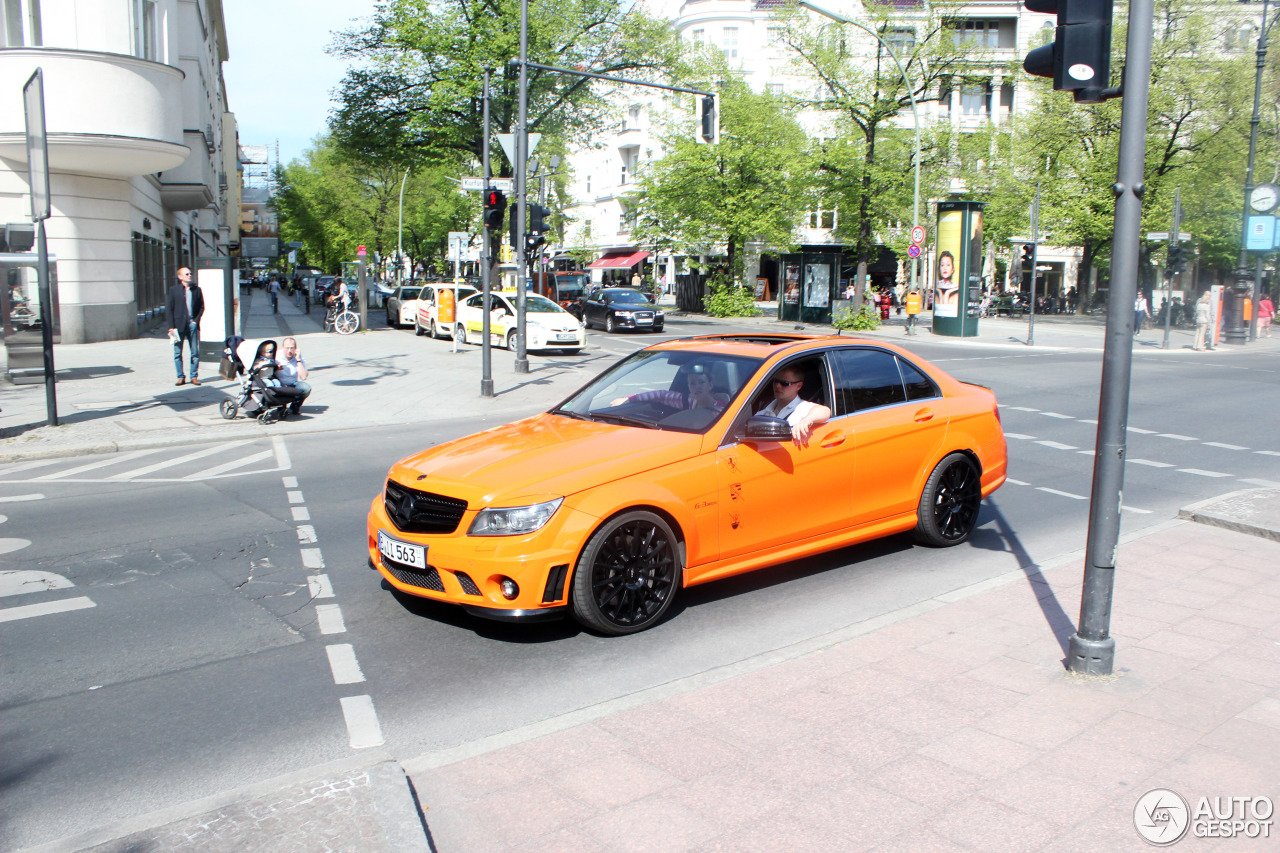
[{"x": 753, "y": 185}]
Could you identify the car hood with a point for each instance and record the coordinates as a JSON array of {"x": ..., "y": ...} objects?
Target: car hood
[{"x": 546, "y": 455}]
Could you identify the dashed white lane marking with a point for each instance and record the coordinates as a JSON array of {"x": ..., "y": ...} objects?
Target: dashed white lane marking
[
  {"x": 1225, "y": 446},
  {"x": 199, "y": 454},
  {"x": 1268, "y": 452},
  {"x": 3, "y": 519},
  {"x": 1177, "y": 437},
  {"x": 1266, "y": 484},
  {"x": 1057, "y": 445},
  {"x": 290, "y": 482},
  {"x": 329, "y": 618},
  {"x": 1141, "y": 431},
  {"x": 24, "y": 581},
  {"x": 312, "y": 558},
  {"x": 343, "y": 664},
  {"x": 1151, "y": 463},
  {"x": 1063, "y": 494},
  {"x": 228, "y": 466},
  {"x": 362, "y": 722},
  {"x": 35, "y": 497},
  {"x": 1016, "y": 482},
  {"x": 1135, "y": 509},
  {"x": 1058, "y": 415},
  {"x": 1021, "y": 409},
  {"x": 1199, "y": 472},
  {"x": 301, "y": 513},
  {"x": 283, "y": 463},
  {"x": 306, "y": 534},
  {"x": 101, "y": 463},
  {"x": 1088, "y": 452},
  {"x": 1092, "y": 422},
  {"x": 27, "y": 611},
  {"x": 320, "y": 586},
  {"x": 295, "y": 497},
  {"x": 1018, "y": 436},
  {"x": 8, "y": 546}
]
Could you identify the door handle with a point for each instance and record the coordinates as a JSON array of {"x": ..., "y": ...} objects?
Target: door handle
[
  {"x": 924, "y": 415},
  {"x": 834, "y": 441}
]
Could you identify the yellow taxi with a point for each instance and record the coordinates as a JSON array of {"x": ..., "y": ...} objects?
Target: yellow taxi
[{"x": 548, "y": 327}]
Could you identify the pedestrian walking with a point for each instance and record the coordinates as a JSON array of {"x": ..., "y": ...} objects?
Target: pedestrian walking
[
  {"x": 297, "y": 292},
  {"x": 1140, "y": 313},
  {"x": 1266, "y": 310},
  {"x": 184, "y": 307},
  {"x": 274, "y": 289},
  {"x": 1202, "y": 321}
]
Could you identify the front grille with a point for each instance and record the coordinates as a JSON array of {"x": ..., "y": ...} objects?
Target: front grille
[
  {"x": 467, "y": 584},
  {"x": 430, "y": 579},
  {"x": 413, "y": 511},
  {"x": 644, "y": 315}
]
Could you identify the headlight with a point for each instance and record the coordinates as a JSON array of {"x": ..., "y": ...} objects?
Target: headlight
[
  {"x": 626, "y": 314},
  {"x": 658, "y": 315},
  {"x": 514, "y": 520}
]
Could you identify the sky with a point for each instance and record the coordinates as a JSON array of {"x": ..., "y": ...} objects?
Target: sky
[{"x": 279, "y": 77}]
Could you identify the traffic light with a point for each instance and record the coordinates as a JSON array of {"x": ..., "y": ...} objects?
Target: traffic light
[
  {"x": 1177, "y": 259},
  {"x": 495, "y": 207},
  {"x": 1079, "y": 59},
  {"x": 532, "y": 242},
  {"x": 1028, "y": 255},
  {"x": 708, "y": 119},
  {"x": 538, "y": 219}
]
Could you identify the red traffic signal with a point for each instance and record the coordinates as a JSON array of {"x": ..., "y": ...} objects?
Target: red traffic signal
[{"x": 495, "y": 207}]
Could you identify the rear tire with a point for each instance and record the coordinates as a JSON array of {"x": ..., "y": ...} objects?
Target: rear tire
[
  {"x": 417, "y": 328},
  {"x": 511, "y": 340},
  {"x": 459, "y": 333},
  {"x": 627, "y": 575},
  {"x": 948, "y": 509},
  {"x": 434, "y": 332}
]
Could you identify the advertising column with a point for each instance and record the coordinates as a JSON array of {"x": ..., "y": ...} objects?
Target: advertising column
[{"x": 957, "y": 291}]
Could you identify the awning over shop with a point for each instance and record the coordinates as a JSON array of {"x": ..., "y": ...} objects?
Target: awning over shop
[{"x": 618, "y": 260}]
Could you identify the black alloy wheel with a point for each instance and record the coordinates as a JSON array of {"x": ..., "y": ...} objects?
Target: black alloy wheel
[
  {"x": 627, "y": 575},
  {"x": 948, "y": 509}
]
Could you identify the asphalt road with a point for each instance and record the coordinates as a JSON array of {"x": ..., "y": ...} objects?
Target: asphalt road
[{"x": 188, "y": 657}]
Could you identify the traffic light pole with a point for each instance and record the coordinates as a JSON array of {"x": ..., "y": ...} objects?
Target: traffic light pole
[
  {"x": 1091, "y": 650},
  {"x": 486, "y": 354},
  {"x": 1174, "y": 241},
  {"x": 1035, "y": 257},
  {"x": 522, "y": 157}
]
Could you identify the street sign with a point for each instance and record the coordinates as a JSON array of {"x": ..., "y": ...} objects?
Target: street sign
[
  {"x": 1261, "y": 234},
  {"x": 1160, "y": 236},
  {"x": 914, "y": 250},
  {"x": 457, "y": 240},
  {"x": 917, "y": 236},
  {"x": 506, "y": 185}
]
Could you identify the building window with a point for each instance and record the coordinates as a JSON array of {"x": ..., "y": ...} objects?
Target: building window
[
  {"x": 982, "y": 34},
  {"x": 627, "y": 221},
  {"x": 699, "y": 36},
  {"x": 629, "y": 157},
  {"x": 588, "y": 185},
  {"x": 20, "y": 24},
  {"x": 146, "y": 30},
  {"x": 774, "y": 89},
  {"x": 632, "y": 121},
  {"x": 902, "y": 40},
  {"x": 154, "y": 264},
  {"x": 975, "y": 99},
  {"x": 730, "y": 42},
  {"x": 773, "y": 36},
  {"x": 822, "y": 219}
]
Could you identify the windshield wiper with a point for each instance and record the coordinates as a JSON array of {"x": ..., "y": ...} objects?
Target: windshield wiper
[
  {"x": 569, "y": 414},
  {"x": 625, "y": 419}
]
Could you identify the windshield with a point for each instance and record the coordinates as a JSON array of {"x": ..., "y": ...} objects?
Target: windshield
[
  {"x": 410, "y": 292},
  {"x": 540, "y": 304},
  {"x": 677, "y": 390},
  {"x": 627, "y": 297}
]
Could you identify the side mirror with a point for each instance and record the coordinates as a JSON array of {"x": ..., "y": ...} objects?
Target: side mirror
[{"x": 765, "y": 428}]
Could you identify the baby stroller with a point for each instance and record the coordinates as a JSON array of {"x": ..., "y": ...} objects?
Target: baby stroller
[{"x": 261, "y": 394}]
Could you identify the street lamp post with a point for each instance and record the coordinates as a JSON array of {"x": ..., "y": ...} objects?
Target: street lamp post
[
  {"x": 915, "y": 113},
  {"x": 400, "y": 233},
  {"x": 1237, "y": 332}
]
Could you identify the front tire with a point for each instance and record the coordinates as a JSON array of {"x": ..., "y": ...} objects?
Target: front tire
[
  {"x": 948, "y": 509},
  {"x": 511, "y": 340},
  {"x": 228, "y": 409},
  {"x": 432, "y": 330},
  {"x": 627, "y": 575},
  {"x": 459, "y": 333},
  {"x": 610, "y": 325},
  {"x": 417, "y": 328},
  {"x": 346, "y": 323}
]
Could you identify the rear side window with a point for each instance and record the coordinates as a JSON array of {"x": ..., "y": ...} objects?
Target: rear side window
[
  {"x": 919, "y": 386},
  {"x": 866, "y": 379}
]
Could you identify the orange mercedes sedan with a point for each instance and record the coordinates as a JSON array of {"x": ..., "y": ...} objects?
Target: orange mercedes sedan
[{"x": 686, "y": 462}]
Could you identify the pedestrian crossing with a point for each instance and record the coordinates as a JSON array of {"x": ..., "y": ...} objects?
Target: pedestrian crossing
[{"x": 157, "y": 464}]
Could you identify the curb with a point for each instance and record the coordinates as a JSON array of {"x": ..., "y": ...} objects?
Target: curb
[{"x": 1238, "y": 511}]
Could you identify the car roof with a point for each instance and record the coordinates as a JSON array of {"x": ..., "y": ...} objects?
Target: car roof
[{"x": 766, "y": 345}]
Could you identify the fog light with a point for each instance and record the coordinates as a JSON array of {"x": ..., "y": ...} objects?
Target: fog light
[{"x": 509, "y": 589}]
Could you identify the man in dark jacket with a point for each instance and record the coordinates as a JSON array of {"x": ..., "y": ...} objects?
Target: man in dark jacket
[{"x": 184, "y": 307}]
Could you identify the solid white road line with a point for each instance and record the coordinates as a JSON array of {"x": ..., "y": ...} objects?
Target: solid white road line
[
  {"x": 101, "y": 463},
  {"x": 1177, "y": 437},
  {"x": 329, "y": 618},
  {"x": 343, "y": 664},
  {"x": 48, "y": 608},
  {"x": 1057, "y": 445},
  {"x": 19, "y": 582},
  {"x": 306, "y": 534},
  {"x": 295, "y": 497},
  {"x": 1151, "y": 463},
  {"x": 283, "y": 463},
  {"x": 1224, "y": 446},
  {"x": 1202, "y": 473},
  {"x": 301, "y": 513},
  {"x": 35, "y": 497},
  {"x": 228, "y": 466},
  {"x": 362, "y": 722},
  {"x": 320, "y": 586},
  {"x": 1063, "y": 494},
  {"x": 168, "y": 463},
  {"x": 312, "y": 558}
]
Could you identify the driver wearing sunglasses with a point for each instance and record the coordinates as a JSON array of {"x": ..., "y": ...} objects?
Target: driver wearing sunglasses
[{"x": 787, "y": 404}]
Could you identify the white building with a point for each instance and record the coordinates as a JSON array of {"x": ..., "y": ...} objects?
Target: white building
[{"x": 142, "y": 149}]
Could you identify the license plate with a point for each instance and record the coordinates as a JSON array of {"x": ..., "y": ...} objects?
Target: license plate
[
  {"x": 402, "y": 552},
  {"x": 644, "y": 321},
  {"x": 566, "y": 336}
]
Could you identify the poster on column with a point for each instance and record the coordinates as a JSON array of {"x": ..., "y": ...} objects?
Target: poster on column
[
  {"x": 946, "y": 297},
  {"x": 817, "y": 285}
]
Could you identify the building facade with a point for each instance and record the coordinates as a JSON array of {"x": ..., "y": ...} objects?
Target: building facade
[{"x": 142, "y": 149}]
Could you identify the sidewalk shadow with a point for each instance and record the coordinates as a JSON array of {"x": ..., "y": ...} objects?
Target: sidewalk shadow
[
  {"x": 173, "y": 404},
  {"x": 381, "y": 366},
  {"x": 1004, "y": 538},
  {"x": 97, "y": 372}
]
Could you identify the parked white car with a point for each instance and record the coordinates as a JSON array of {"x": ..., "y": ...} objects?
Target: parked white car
[
  {"x": 402, "y": 306},
  {"x": 427, "y": 319}
]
